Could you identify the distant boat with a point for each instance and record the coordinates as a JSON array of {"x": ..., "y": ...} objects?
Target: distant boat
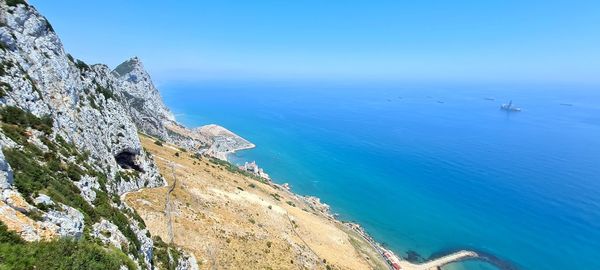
[
  {"x": 509, "y": 107},
  {"x": 441, "y": 102},
  {"x": 489, "y": 98},
  {"x": 566, "y": 104}
]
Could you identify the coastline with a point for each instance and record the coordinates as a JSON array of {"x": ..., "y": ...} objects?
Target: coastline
[
  {"x": 229, "y": 218},
  {"x": 394, "y": 262}
]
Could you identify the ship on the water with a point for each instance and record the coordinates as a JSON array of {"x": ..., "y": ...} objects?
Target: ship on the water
[{"x": 509, "y": 107}]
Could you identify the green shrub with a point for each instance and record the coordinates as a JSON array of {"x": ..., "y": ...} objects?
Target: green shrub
[
  {"x": 29, "y": 176},
  {"x": 158, "y": 142},
  {"x": 60, "y": 254},
  {"x": 74, "y": 172},
  {"x": 162, "y": 250},
  {"x": 70, "y": 57},
  {"x": 81, "y": 65},
  {"x": 68, "y": 148},
  {"x": 17, "y": 116},
  {"x": 14, "y": 3},
  {"x": 15, "y": 133},
  {"x": 3, "y": 46},
  {"x": 4, "y": 87},
  {"x": 105, "y": 92},
  {"x": 49, "y": 26},
  {"x": 104, "y": 209},
  {"x": 92, "y": 102},
  {"x": 9, "y": 237}
]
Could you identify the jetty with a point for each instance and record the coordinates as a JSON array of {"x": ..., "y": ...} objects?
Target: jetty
[
  {"x": 439, "y": 262},
  {"x": 435, "y": 264}
]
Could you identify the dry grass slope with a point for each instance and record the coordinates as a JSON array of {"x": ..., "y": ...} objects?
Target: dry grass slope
[{"x": 234, "y": 222}]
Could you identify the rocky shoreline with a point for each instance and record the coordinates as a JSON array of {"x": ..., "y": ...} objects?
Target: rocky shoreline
[
  {"x": 411, "y": 261},
  {"x": 316, "y": 204}
]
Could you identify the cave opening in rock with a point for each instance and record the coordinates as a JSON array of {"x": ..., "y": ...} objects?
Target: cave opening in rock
[{"x": 127, "y": 160}]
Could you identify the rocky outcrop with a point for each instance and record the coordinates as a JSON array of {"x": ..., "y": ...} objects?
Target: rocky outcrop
[
  {"x": 27, "y": 228},
  {"x": 145, "y": 107},
  {"x": 14, "y": 199},
  {"x": 147, "y": 245},
  {"x": 187, "y": 262},
  {"x": 97, "y": 110},
  {"x": 84, "y": 104},
  {"x": 43, "y": 199},
  {"x": 109, "y": 233},
  {"x": 44, "y": 80},
  {"x": 64, "y": 221},
  {"x": 141, "y": 99},
  {"x": 68, "y": 220},
  {"x": 6, "y": 174}
]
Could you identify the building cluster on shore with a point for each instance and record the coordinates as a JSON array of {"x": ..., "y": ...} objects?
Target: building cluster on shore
[{"x": 251, "y": 167}]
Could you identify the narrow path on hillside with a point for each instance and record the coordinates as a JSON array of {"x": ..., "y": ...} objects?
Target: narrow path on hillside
[
  {"x": 293, "y": 225},
  {"x": 168, "y": 203}
]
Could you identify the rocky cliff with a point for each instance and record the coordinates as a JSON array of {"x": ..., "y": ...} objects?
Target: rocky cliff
[
  {"x": 70, "y": 146},
  {"x": 141, "y": 99},
  {"x": 144, "y": 105}
]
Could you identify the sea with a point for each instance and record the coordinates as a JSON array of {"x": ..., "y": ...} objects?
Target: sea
[{"x": 428, "y": 168}]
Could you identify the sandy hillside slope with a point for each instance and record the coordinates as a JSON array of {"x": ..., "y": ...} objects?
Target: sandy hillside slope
[{"x": 231, "y": 221}]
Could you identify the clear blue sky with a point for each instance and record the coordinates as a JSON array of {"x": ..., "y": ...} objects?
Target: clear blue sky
[{"x": 509, "y": 40}]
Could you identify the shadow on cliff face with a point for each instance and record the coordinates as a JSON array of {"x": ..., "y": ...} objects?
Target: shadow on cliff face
[{"x": 127, "y": 160}]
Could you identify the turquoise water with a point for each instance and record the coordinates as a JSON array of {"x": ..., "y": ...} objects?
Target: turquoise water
[{"x": 429, "y": 168}]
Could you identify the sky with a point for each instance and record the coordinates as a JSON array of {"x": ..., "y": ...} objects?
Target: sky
[{"x": 492, "y": 40}]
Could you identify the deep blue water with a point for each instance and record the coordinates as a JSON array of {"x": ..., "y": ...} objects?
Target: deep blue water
[{"x": 424, "y": 175}]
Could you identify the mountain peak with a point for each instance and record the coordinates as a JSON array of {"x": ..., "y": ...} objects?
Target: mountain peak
[{"x": 128, "y": 66}]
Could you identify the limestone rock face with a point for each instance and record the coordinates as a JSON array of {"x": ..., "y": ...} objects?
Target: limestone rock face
[
  {"x": 43, "y": 199},
  {"x": 187, "y": 262},
  {"x": 27, "y": 228},
  {"x": 147, "y": 245},
  {"x": 144, "y": 104},
  {"x": 44, "y": 80},
  {"x": 86, "y": 185},
  {"x": 39, "y": 77},
  {"x": 142, "y": 99},
  {"x": 6, "y": 174},
  {"x": 69, "y": 221},
  {"x": 109, "y": 233},
  {"x": 93, "y": 107},
  {"x": 14, "y": 199}
]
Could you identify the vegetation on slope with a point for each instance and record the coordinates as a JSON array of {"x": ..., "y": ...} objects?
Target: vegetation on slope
[
  {"x": 234, "y": 169},
  {"x": 58, "y": 254},
  {"x": 166, "y": 255},
  {"x": 53, "y": 173},
  {"x": 14, "y": 3}
]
